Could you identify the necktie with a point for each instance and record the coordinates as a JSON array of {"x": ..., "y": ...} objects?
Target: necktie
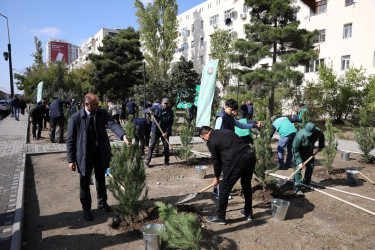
[{"x": 92, "y": 124}]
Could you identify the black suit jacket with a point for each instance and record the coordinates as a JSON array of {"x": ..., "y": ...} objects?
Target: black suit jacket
[
  {"x": 76, "y": 143},
  {"x": 226, "y": 149}
]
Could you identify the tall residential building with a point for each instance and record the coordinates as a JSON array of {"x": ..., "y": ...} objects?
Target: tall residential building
[
  {"x": 346, "y": 31},
  {"x": 58, "y": 50},
  {"x": 91, "y": 47}
]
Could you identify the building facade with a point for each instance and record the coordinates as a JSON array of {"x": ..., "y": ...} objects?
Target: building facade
[
  {"x": 346, "y": 32},
  {"x": 91, "y": 47},
  {"x": 59, "y": 50}
]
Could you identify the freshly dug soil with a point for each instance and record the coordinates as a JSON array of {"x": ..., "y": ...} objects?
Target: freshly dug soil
[{"x": 53, "y": 215}]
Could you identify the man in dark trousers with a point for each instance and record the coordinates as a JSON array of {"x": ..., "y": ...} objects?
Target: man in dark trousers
[
  {"x": 36, "y": 118},
  {"x": 131, "y": 107},
  {"x": 243, "y": 110},
  {"x": 142, "y": 137},
  {"x": 56, "y": 114},
  {"x": 303, "y": 148},
  {"x": 250, "y": 110},
  {"x": 164, "y": 117},
  {"x": 16, "y": 105},
  {"x": 88, "y": 148},
  {"x": 237, "y": 160}
]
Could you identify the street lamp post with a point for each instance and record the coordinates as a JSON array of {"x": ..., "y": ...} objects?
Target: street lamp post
[
  {"x": 144, "y": 85},
  {"x": 10, "y": 61}
]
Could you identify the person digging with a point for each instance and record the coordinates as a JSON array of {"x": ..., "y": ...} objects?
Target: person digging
[
  {"x": 234, "y": 157},
  {"x": 303, "y": 146}
]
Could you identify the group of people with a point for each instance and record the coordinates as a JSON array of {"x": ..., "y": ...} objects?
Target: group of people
[
  {"x": 17, "y": 104},
  {"x": 234, "y": 159}
]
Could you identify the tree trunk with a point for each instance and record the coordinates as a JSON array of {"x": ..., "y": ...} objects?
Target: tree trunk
[{"x": 271, "y": 100}]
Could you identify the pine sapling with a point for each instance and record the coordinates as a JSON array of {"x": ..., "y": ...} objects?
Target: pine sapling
[
  {"x": 186, "y": 135},
  {"x": 128, "y": 181},
  {"x": 329, "y": 152},
  {"x": 365, "y": 136},
  {"x": 305, "y": 118},
  {"x": 182, "y": 230}
]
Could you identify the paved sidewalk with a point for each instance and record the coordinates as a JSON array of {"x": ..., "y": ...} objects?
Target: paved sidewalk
[{"x": 13, "y": 150}]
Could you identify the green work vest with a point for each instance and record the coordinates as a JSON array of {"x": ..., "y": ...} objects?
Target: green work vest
[
  {"x": 284, "y": 126},
  {"x": 242, "y": 132}
]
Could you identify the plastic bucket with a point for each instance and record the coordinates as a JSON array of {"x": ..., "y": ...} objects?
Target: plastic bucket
[
  {"x": 352, "y": 176},
  {"x": 200, "y": 171},
  {"x": 345, "y": 155},
  {"x": 279, "y": 208},
  {"x": 151, "y": 236}
]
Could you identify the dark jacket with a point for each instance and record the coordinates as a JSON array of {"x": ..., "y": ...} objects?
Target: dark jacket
[
  {"x": 143, "y": 125},
  {"x": 228, "y": 120},
  {"x": 226, "y": 149},
  {"x": 164, "y": 118},
  {"x": 56, "y": 108},
  {"x": 77, "y": 137},
  {"x": 131, "y": 108},
  {"x": 250, "y": 110},
  {"x": 16, "y": 102},
  {"x": 243, "y": 110},
  {"x": 38, "y": 111}
]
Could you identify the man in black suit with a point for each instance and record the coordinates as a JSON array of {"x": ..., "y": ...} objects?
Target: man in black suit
[
  {"x": 36, "y": 118},
  {"x": 236, "y": 159},
  {"x": 88, "y": 148}
]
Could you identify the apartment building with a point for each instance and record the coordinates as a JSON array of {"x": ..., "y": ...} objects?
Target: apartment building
[
  {"x": 346, "y": 32},
  {"x": 91, "y": 47},
  {"x": 59, "y": 50}
]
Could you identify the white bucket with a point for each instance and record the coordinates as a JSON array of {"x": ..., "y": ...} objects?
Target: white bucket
[
  {"x": 352, "y": 176},
  {"x": 345, "y": 155},
  {"x": 279, "y": 208},
  {"x": 200, "y": 171},
  {"x": 151, "y": 236}
]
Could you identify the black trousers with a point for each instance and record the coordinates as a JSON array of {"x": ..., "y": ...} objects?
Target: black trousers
[
  {"x": 37, "y": 122},
  {"x": 141, "y": 144},
  {"x": 57, "y": 121},
  {"x": 46, "y": 119},
  {"x": 244, "y": 169},
  {"x": 154, "y": 138},
  {"x": 93, "y": 161},
  {"x": 116, "y": 118}
]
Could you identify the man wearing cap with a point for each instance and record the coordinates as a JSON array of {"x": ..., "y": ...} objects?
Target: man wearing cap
[
  {"x": 287, "y": 132},
  {"x": 301, "y": 111},
  {"x": 164, "y": 116},
  {"x": 303, "y": 147}
]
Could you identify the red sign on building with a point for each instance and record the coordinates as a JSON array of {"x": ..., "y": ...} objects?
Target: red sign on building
[{"x": 60, "y": 52}]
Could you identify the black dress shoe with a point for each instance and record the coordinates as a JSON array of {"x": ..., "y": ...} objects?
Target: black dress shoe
[
  {"x": 35, "y": 138},
  {"x": 106, "y": 207},
  {"x": 87, "y": 215},
  {"x": 248, "y": 217},
  {"x": 216, "y": 220},
  {"x": 166, "y": 163},
  {"x": 40, "y": 137}
]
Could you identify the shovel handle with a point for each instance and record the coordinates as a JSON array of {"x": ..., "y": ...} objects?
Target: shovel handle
[
  {"x": 204, "y": 189},
  {"x": 301, "y": 165},
  {"x": 368, "y": 179}
]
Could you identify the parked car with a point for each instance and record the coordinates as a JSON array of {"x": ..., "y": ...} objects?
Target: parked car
[{"x": 4, "y": 107}]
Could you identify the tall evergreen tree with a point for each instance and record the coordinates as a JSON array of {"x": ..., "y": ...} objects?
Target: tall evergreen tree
[
  {"x": 273, "y": 34},
  {"x": 117, "y": 68},
  {"x": 221, "y": 42},
  {"x": 329, "y": 152},
  {"x": 365, "y": 136},
  {"x": 158, "y": 29}
]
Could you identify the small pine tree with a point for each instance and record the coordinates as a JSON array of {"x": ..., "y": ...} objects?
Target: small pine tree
[
  {"x": 305, "y": 119},
  {"x": 182, "y": 230},
  {"x": 365, "y": 136},
  {"x": 129, "y": 177},
  {"x": 329, "y": 152},
  {"x": 186, "y": 135},
  {"x": 263, "y": 151}
]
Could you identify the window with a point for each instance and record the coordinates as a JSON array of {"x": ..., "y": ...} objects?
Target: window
[
  {"x": 185, "y": 31},
  {"x": 185, "y": 47},
  {"x": 245, "y": 8},
  {"x": 373, "y": 64},
  {"x": 314, "y": 65},
  {"x": 321, "y": 7},
  {"x": 347, "y": 30},
  {"x": 349, "y": 2},
  {"x": 202, "y": 24},
  {"x": 321, "y": 36},
  {"x": 192, "y": 27},
  {"x": 192, "y": 44},
  {"x": 202, "y": 59},
  {"x": 214, "y": 19},
  {"x": 202, "y": 42},
  {"x": 228, "y": 14},
  {"x": 345, "y": 62}
]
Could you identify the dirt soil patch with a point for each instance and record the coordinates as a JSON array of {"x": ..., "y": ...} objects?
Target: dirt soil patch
[{"x": 53, "y": 215}]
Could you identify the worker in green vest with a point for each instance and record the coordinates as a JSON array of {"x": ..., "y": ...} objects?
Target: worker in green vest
[
  {"x": 301, "y": 111},
  {"x": 303, "y": 147},
  {"x": 287, "y": 132},
  {"x": 245, "y": 134}
]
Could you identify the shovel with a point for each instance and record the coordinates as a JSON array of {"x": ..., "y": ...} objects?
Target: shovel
[
  {"x": 364, "y": 176},
  {"x": 287, "y": 184},
  {"x": 192, "y": 196},
  {"x": 161, "y": 131}
]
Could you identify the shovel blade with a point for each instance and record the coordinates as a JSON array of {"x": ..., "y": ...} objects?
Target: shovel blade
[
  {"x": 187, "y": 198},
  {"x": 285, "y": 186}
]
